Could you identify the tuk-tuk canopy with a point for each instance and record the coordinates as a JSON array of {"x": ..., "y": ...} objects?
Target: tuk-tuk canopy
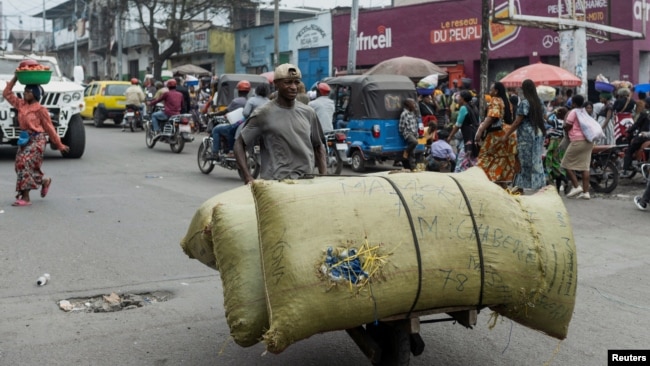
[
  {"x": 373, "y": 96},
  {"x": 227, "y": 83}
]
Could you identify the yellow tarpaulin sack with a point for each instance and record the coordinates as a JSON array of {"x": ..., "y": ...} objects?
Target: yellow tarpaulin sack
[
  {"x": 236, "y": 247},
  {"x": 197, "y": 243},
  {"x": 223, "y": 236},
  {"x": 339, "y": 253}
]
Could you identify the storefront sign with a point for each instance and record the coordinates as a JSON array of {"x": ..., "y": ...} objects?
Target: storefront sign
[
  {"x": 310, "y": 36},
  {"x": 459, "y": 30},
  {"x": 502, "y": 34},
  {"x": 382, "y": 39},
  {"x": 194, "y": 42}
]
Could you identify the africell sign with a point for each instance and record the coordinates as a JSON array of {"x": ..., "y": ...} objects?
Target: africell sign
[{"x": 382, "y": 39}]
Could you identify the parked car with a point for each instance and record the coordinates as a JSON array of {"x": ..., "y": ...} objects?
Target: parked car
[
  {"x": 105, "y": 99},
  {"x": 370, "y": 107}
]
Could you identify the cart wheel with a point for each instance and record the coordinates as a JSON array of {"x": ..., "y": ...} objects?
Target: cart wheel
[{"x": 394, "y": 341}]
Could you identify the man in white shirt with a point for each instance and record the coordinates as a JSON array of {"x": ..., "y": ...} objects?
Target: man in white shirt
[{"x": 324, "y": 107}]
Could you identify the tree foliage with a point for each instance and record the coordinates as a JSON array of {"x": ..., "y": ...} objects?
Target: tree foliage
[{"x": 175, "y": 18}]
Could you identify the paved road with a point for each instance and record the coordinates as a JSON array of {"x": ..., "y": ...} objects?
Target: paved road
[{"x": 112, "y": 223}]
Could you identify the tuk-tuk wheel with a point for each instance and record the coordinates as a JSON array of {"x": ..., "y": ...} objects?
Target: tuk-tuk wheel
[
  {"x": 358, "y": 163},
  {"x": 394, "y": 340}
]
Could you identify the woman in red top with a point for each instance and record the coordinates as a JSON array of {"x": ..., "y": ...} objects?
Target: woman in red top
[{"x": 35, "y": 119}]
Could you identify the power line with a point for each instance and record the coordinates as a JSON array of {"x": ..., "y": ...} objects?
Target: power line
[{"x": 28, "y": 7}]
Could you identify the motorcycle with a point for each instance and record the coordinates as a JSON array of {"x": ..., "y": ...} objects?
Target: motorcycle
[
  {"x": 336, "y": 148},
  {"x": 603, "y": 172},
  {"x": 176, "y": 131},
  {"x": 132, "y": 118},
  {"x": 207, "y": 161},
  {"x": 640, "y": 160}
]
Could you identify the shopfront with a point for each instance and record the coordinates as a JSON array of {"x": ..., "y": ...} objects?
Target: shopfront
[
  {"x": 311, "y": 40},
  {"x": 449, "y": 34}
]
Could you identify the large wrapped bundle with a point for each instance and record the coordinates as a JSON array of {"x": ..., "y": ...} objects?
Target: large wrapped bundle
[
  {"x": 343, "y": 252},
  {"x": 235, "y": 238},
  {"x": 223, "y": 236},
  {"x": 197, "y": 243}
]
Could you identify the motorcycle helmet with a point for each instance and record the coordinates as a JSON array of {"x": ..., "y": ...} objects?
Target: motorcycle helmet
[
  {"x": 323, "y": 89},
  {"x": 135, "y": 81},
  {"x": 171, "y": 83},
  {"x": 244, "y": 86}
]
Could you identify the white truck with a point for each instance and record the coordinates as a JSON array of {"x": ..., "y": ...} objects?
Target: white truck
[{"x": 63, "y": 98}]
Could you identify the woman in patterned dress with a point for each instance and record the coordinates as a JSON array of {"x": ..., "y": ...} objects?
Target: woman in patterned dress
[
  {"x": 530, "y": 129},
  {"x": 554, "y": 151},
  {"x": 35, "y": 119},
  {"x": 497, "y": 157}
]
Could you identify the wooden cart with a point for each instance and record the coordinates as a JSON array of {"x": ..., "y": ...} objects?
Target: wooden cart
[{"x": 391, "y": 341}]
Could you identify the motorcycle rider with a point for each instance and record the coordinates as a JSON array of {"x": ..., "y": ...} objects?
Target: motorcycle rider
[
  {"x": 187, "y": 100},
  {"x": 173, "y": 103},
  {"x": 228, "y": 129},
  {"x": 134, "y": 98},
  {"x": 261, "y": 97},
  {"x": 642, "y": 125},
  {"x": 324, "y": 107},
  {"x": 160, "y": 89},
  {"x": 292, "y": 138}
]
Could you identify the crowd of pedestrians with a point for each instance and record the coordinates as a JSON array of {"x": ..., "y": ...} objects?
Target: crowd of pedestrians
[{"x": 523, "y": 143}]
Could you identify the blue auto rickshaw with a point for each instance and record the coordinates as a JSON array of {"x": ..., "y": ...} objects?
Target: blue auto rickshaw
[{"x": 370, "y": 106}]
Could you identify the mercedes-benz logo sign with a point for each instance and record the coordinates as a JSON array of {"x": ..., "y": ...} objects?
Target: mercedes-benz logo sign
[{"x": 547, "y": 42}]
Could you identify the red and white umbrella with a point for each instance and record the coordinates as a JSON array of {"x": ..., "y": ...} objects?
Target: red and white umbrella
[{"x": 541, "y": 74}]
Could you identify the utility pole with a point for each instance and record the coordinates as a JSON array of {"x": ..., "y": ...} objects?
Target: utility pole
[
  {"x": 46, "y": 41},
  {"x": 276, "y": 33},
  {"x": 352, "y": 41},
  {"x": 74, "y": 29},
  {"x": 485, "y": 34},
  {"x": 119, "y": 43}
]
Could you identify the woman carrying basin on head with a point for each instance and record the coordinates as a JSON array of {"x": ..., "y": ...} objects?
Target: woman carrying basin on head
[{"x": 33, "y": 119}]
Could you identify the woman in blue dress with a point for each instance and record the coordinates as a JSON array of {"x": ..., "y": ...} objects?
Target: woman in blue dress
[{"x": 530, "y": 128}]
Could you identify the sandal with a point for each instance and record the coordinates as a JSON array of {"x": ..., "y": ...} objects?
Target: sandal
[
  {"x": 46, "y": 187},
  {"x": 21, "y": 202}
]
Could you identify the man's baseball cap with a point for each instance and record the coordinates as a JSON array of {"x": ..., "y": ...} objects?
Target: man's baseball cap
[{"x": 287, "y": 71}]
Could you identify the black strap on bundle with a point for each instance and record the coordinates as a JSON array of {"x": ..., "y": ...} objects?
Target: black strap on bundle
[
  {"x": 416, "y": 243},
  {"x": 478, "y": 239}
]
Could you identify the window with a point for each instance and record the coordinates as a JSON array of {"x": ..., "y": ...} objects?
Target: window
[
  {"x": 116, "y": 89},
  {"x": 134, "y": 69}
]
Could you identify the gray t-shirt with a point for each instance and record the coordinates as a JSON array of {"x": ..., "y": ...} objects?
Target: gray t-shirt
[
  {"x": 239, "y": 102},
  {"x": 289, "y": 136},
  {"x": 253, "y": 103},
  {"x": 324, "y": 108}
]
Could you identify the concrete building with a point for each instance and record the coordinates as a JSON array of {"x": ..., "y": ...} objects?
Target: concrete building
[
  {"x": 28, "y": 41},
  {"x": 306, "y": 43},
  {"x": 207, "y": 46}
]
